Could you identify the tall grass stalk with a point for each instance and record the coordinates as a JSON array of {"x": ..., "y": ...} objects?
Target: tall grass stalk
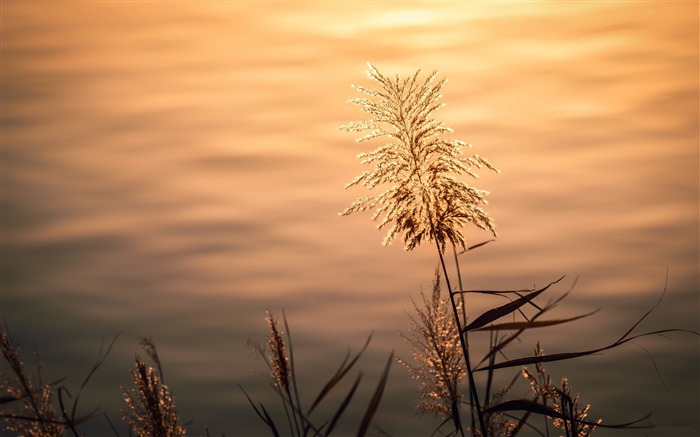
[
  {"x": 426, "y": 201},
  {"x": 278, "y": 354},
  {"x": 35, "y": 413},
  {"x": 151, "y": 409},
  {"x": 439, "y": 366},
  {"x": 33, "y": 407}
]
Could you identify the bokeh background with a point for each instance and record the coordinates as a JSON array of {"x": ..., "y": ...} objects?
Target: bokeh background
[{"x": 174, "y": 170}]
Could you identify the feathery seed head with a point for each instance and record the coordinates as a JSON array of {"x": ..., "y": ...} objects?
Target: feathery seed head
[
  {"x": 151, "y": 407},
  {"x": 425, "y": 200},
  {"x": 277, "y": 358},
  {"x": 438, "y": 365}
]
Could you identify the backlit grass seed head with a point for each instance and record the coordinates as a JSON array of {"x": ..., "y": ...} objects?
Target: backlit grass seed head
[
  {"x": 27, "y": 407},
  {"x": 278, "y": 358},
  {"x": 151, "y": 408},
  {"x": 425, "y": 200},
  {"x": 561, "y": 400},
  {"x": 437, "y": 359}
]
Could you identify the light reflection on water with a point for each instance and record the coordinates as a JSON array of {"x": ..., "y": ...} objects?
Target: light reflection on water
[{"x": 177, "y": 171}]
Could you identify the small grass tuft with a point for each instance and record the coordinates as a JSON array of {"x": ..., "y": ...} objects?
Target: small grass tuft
[{"x": 151, "y": 410}]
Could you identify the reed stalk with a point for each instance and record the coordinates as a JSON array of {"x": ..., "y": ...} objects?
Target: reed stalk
[
  {"x": 476, "y": 405},
  {"x": 426, "y": 201},
  {"x": 279, "y": 357}
]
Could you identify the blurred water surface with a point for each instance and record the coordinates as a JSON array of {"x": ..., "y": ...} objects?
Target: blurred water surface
[{"x": 174, "y": 169}]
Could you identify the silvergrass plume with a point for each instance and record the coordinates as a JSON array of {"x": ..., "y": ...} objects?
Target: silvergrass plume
[
  {"x": 278, "y": 357},
  {"x": 28, "y": 403},
  {"x": 151, "y": 406},
  {"x": 439, "y": 367},
  {"x": 425, "y": 200},
  {"x": 570, "y": 418},
  {"x": 27, "y": 406}
]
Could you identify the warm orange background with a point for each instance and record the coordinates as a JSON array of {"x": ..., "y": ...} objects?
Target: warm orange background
[{"x": 175, "y": 168}]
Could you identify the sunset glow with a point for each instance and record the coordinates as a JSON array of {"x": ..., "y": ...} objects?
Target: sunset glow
[{"x": 175, "y": 169}]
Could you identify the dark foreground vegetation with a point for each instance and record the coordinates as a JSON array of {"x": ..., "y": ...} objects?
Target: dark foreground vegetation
[{"x": 425, "y": 202}]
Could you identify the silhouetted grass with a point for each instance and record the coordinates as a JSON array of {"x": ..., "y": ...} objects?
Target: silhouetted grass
[
  {"x": 33, "y": 407},
  {"x": 279, "y": 357},
  {"x": 150, "y": 404},
  {"x": 425, "y": 200},
  {"x": 427, "y": 203}
]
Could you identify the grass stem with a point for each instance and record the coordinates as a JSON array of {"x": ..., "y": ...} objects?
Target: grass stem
[{"x": 465, "y": 350}]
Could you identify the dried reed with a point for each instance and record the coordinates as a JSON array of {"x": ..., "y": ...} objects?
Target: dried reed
[
  {"x": 426, "y": 201},
  {"x": 439, "y": 367},
  {"x": 279, "y": 357},
  {"x": 150, "y": 404},
  {"x": 34, "y": 413},
  {"x": 29, "y": 404}
]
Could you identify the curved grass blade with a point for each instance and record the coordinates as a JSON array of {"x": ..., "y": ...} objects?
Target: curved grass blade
[
  {"x": 483, "y": 243},
  {"x": 269, "y": 421},
  {"x": 438, "y": 429},
  {"x": 518, "y": 292},
  {"x": 376, "y": 398},
  {"x": 534, "y": 407},
  {"x": 503, "y": 310},
  {"x": 71, "y": 422},
  {"x": 532, "y": 324},
  {"x": 342, "y": 371},
  {"x": 111, "y": 425},
  {"x": 656, "y": 367},
  {"x": 569, "y": 355},
  {"x": 291, "y": 362},
  {"x": 98, "y": 363},
  {"x": 521, "y": 422},
  {"x": 505, "y": 341},
  {"x": 305, "y": 421},
  {"x": 262, "y": 413},
  {"x": 663, "y": 293},
  {"x": 343, "y": 405}
]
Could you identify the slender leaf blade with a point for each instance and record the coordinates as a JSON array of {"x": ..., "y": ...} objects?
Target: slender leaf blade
[
  {"x": 343, "y": 405},
  {"x": 376, "y": 398},
  {"x": 503, "y": 310},
  {"x": 338, "y": 376},
  {"x": 536, "y": 408},
  {"x": 532, "y": 324}
]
